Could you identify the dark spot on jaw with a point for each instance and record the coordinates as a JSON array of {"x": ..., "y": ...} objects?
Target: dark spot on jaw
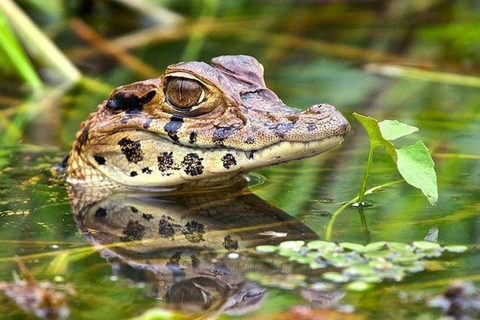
[
  {"x": 282, "y": 128},
  {"x": 147, "y": 216},
  {"x": 147, "y": 170},
  {"x": 193, "y": 137},
  {"x": 171, "y": 128},
  {"x": 133, "y": 209},
  {"x": 222, "y": 133},
  {"x": 167, "y": 228},
  {"x": 250, "y": 140},
  {"x": 133, "y": 174},
  {"x": 134, "y": 231},
  {"x": 229, "y": 243},
  {"x": 165, "y": 161},
  {"x": 101, "y": 213},
  {"x": 147, "y": 123},
  {"x": 229, "y": 161},
  {"x": 311, "y": 127},
  {"x": 249, "y": 154},
  {"x": 131, "y": 149},
  {"x": 100, "y": 160},
  {"x": 193, "y": 231},
  {"x": 193, "y": 164}
]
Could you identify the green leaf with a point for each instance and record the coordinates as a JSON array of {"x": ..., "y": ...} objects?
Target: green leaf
[
  {"x": 353, "y": 246},
  {"x": 376, "y": 138},
  {"x": 426, "y": 245},
  {"x": 157, "y": 314},
  {"x": 292, "y": 245},
  {"x": 40, "y": 47},
  {"x": 456, "y": 248},
  {"x": 417, "y": 168},
  {"x": 266, "y": 248},
  {"x": 358, "y": 286},
  {"x": 16, "y": 55},
  {"x": 393, "y": 129}
]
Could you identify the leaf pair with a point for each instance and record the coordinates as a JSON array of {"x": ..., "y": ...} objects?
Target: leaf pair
[{"x": 413, "y": 161}]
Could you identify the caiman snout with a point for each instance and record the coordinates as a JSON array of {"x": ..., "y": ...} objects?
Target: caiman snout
[
  {"x": 330, "y": 117},
  {"x": 318, "y": 122}
]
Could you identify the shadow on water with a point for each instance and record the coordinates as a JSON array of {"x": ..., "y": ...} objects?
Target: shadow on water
[{"x": 194, "y": 250}]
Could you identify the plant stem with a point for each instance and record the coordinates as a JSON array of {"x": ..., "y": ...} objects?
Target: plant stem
[
  {"x": 366, "y": 174},
  {"x": 329, "y": 229},
  {"x": 364, "y": 224}
]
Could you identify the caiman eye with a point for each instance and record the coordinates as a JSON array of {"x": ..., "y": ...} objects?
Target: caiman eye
[{"x": 184, "y": 93}]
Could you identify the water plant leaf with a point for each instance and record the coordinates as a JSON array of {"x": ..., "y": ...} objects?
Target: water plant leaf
[
  {"x": 376, "y": 138},
  {"x": 393, "y": 129},
  {"x": 456, "y": 248},
  {"x": 358, "y": 286},
  {"x": 417, "y": 168},
  {"x": 292, "y": 245},
  {"x": 375, "y": 246},
  {"x": 426, "y": 245},
  {"x": 353, "y": 246},
  {"x": 413, "y": 162},
  {"x": 335, "y": 277},
  {"x": 350, "y": 262},
  {"x": 266, "y": 248},
  {"x": 322, "y": 245},
  {"x": 158, "y": 314}
]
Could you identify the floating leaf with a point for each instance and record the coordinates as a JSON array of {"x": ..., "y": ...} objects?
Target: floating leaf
[
  {"x": 266, "y": 248},
  {"x": 335, "y": 277},
  {"x": 400, "y": 247},
  {"x": 426, "y": 245},
  {"x": 321, "y": 245},
  {"x": 157, "y": 314},
  {"x": 359, "y": 271},
  {"x": 377, "y": 254},
  {"x": 317, "y": 265},
  {"x": 358, "y": 286},
  {"x": 393, "y": 129},
  {"x": 375, "y": 246},
  {"x": 457, "y": 248},
  {"x": 292, "y": 245},
  {"x": 417, "y": 168},
  {"x": 353, "y": 246}
]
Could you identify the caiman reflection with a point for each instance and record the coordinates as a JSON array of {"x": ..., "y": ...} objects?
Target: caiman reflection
[{"x": 183, "y": 244}]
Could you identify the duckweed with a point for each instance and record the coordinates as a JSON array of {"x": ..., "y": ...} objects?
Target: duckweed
[{"x": 358, "y": 265}]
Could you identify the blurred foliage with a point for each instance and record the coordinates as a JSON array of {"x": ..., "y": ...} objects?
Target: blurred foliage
[{"x": 415, "y": 61}]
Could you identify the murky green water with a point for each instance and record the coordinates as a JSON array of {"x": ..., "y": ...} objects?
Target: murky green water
[{"x": 312, "y": 52}]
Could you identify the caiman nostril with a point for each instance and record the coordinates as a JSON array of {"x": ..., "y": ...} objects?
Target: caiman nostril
[{"x": 320, "y": 109}]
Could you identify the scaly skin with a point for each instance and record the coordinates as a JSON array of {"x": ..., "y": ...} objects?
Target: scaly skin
[{"x": 197, "y": 125}]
